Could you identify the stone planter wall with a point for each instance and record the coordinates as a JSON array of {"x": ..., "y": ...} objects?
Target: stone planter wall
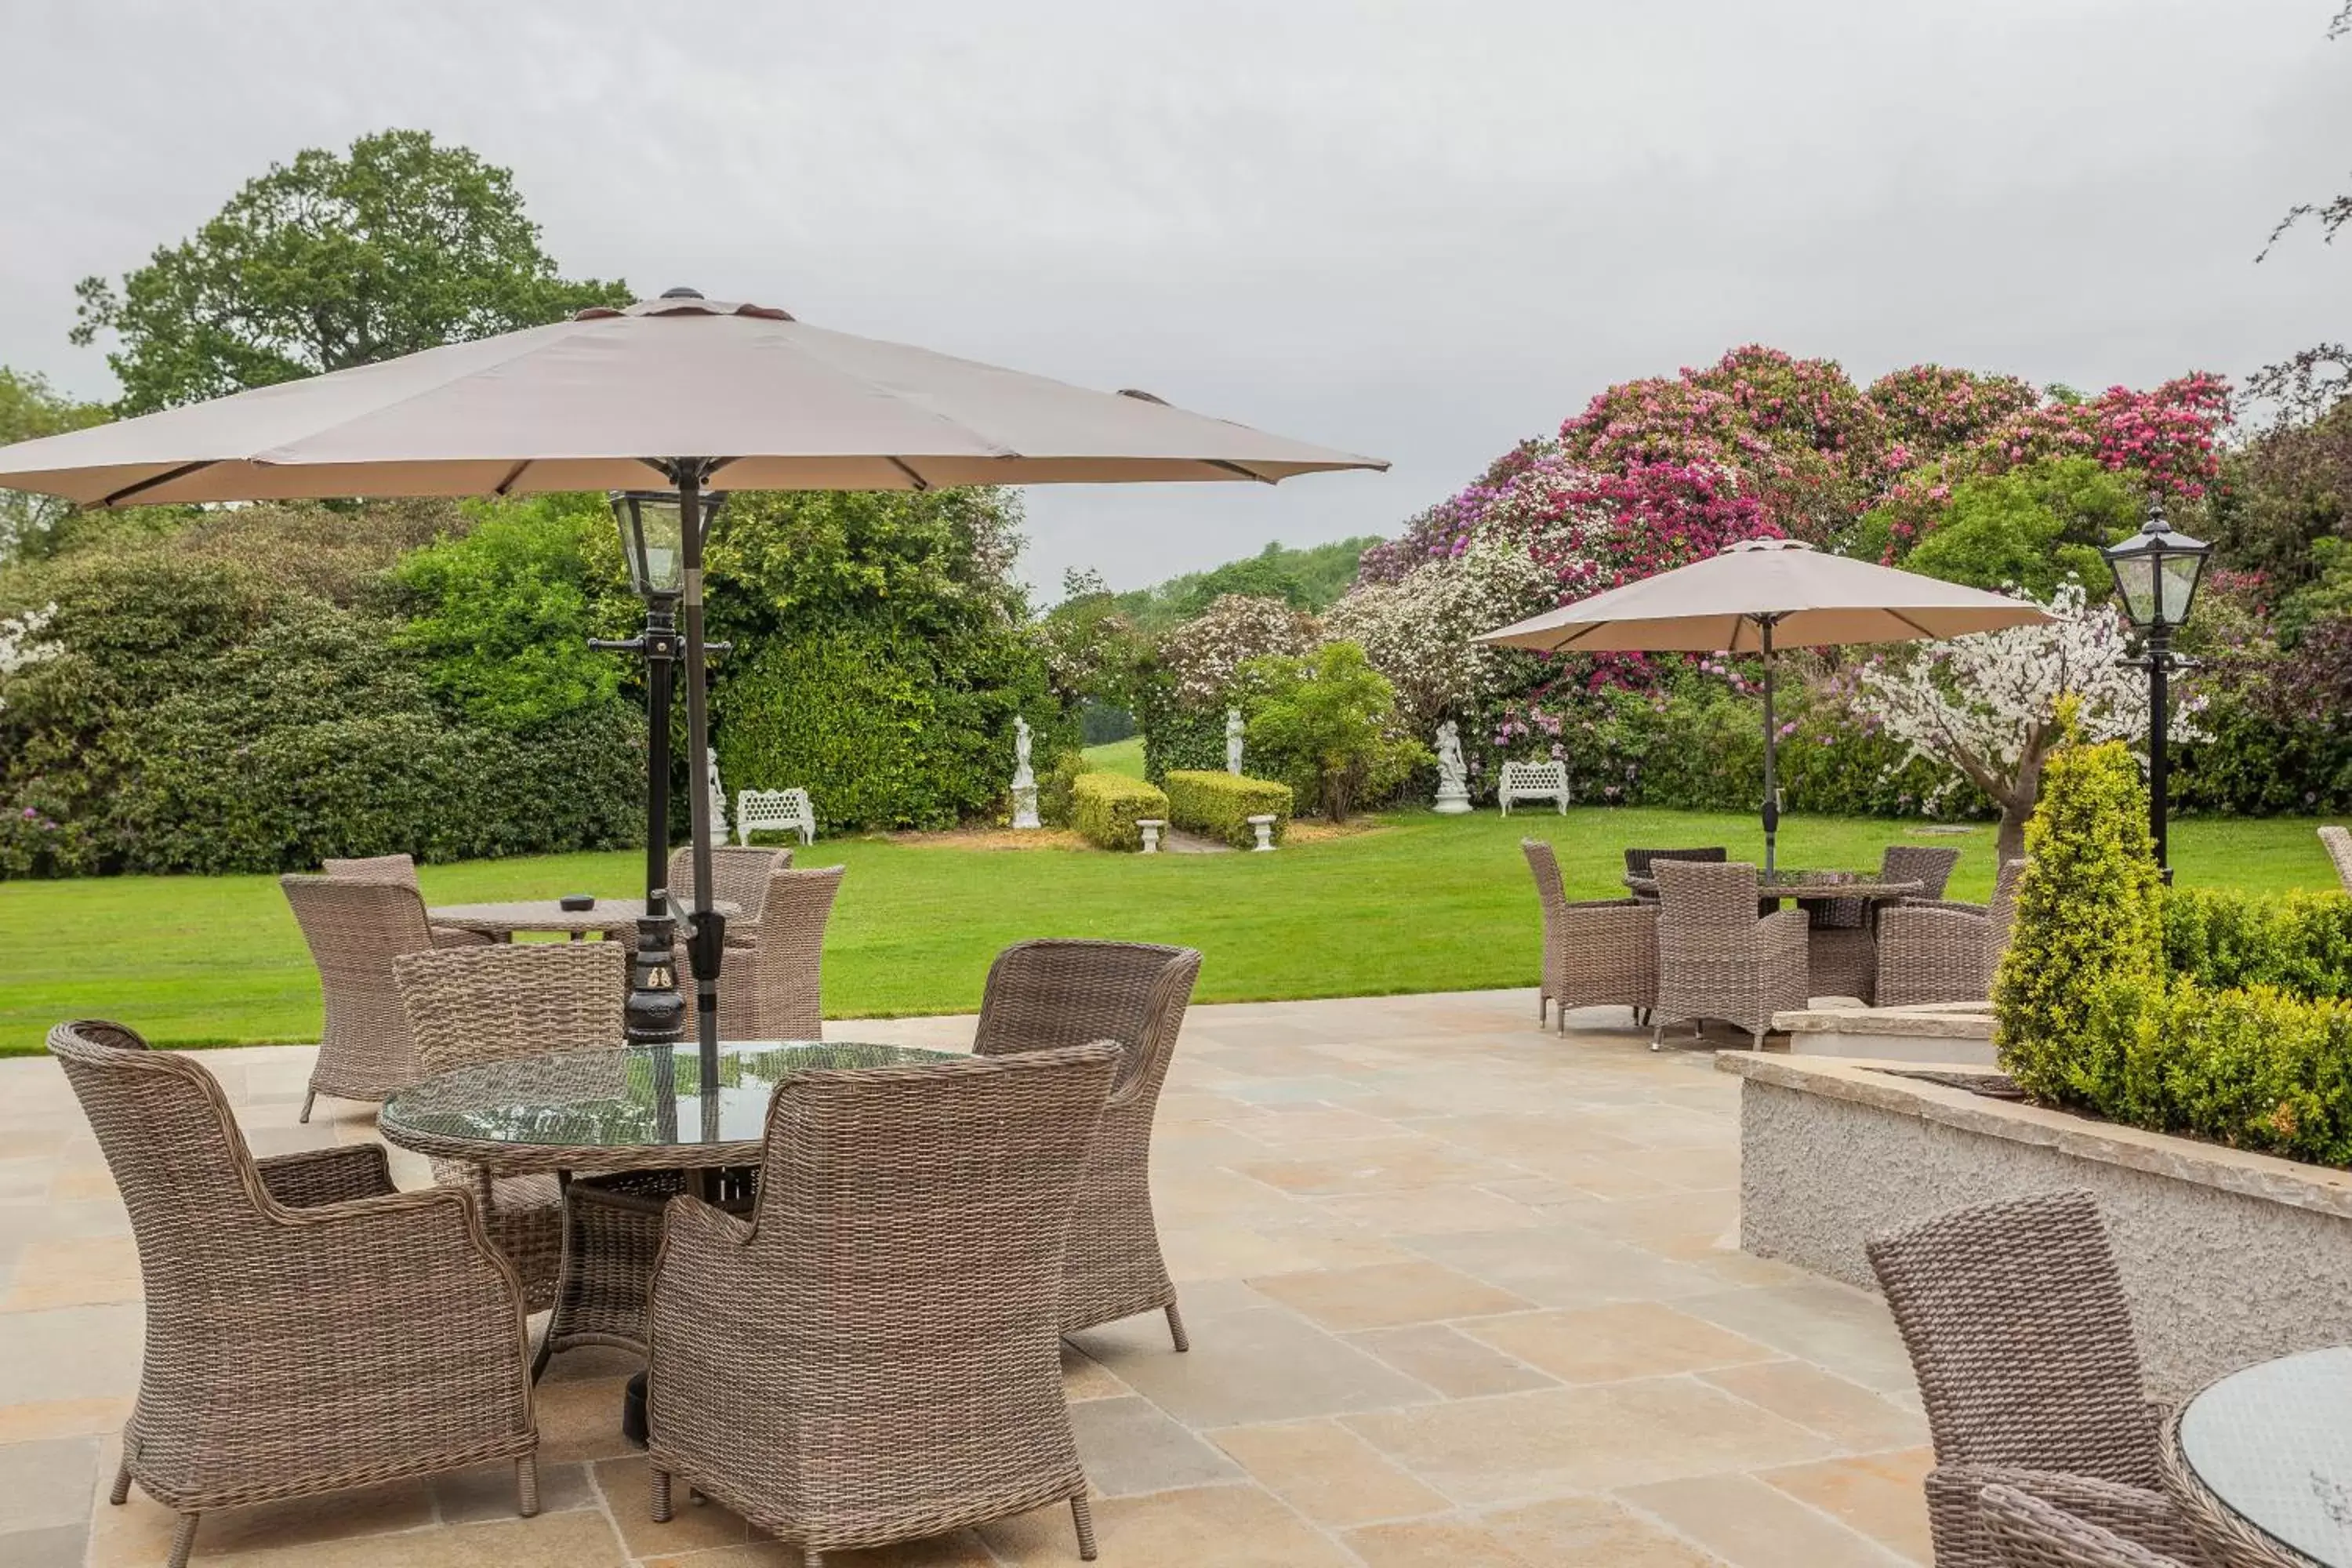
[{"x": 2229, "y": 1258}]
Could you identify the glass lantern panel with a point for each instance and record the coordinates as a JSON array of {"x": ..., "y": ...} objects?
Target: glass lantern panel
[
  {"x": 2135, "y": 578},
  {"x": 2180, "y": 584}
]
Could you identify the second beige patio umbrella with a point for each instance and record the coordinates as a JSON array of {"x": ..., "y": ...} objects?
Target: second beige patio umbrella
[
  {"x": 1758, "y": 595},
  {"x": 685, "y": 392}
]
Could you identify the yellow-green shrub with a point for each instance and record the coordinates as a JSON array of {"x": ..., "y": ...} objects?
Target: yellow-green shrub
[
  {"x": 1105, "y": 807},
  {"x": 1220, "y": 806}
]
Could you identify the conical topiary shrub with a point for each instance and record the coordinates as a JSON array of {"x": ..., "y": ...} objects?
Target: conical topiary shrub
[{"x": 2089, "y": 913}]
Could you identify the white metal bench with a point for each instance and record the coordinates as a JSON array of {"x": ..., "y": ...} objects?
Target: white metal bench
[
  {"x": 781, "y": 810},
  {"x": 1533, "y": 781}
]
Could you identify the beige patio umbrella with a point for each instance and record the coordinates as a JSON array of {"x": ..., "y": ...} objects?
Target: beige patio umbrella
[
  {"x": 682, "y": 392},
  {"x": 1755, "y": 596}
]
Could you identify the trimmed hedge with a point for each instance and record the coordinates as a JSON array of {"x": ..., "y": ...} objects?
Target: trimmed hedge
[
  {"x": 1220, "y": 806},
  {"x": 2300, "y": 943},
  {"x": 2257, "y": 1069},
  {"x": 1054, "y": 787},
  {"x": 1105, "y": 807}
]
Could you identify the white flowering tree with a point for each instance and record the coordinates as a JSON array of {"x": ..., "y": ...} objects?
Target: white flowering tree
[
  {"x": 1203, "y": 655},
  {"x": 21, "y": 641},
  {"x": 1988, "y": 705}
]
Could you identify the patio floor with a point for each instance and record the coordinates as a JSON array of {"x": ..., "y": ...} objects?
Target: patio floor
[{"x": 1460, "y": 1293}]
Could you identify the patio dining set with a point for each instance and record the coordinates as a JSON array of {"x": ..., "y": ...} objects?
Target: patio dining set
[
  {"x": 845, "y": 1266},
  {"x": 1700, "y": 936}
]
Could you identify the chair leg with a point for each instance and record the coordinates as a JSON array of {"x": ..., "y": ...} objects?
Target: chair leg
[
  {"x": 527, "y": 1485},
  {"x": 1756, "y": 1041},
  {"x": 1176, "y": 1327},
  {"x": 122, "y": 1493},
  {"x": 307, "y": 1098},
  {"x": 184, "y": 1541},
  {"x": 1082, "y": 1514},
  {"x": 661, "y": 1509},
  {"x": 1658, "y": 1037},
  {"x": 1543, "y": 1008}
]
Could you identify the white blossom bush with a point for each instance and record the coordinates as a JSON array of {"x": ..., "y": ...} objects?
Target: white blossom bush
[
  {"x": 1201, "y": 656},
  {"x": 21, "y": 643},
  {"x": 1989, "y": 706},
  {"x": 1416, "y": 630}
]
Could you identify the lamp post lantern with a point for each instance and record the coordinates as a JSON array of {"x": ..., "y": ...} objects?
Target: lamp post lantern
[
  {"x": 2157, "y": 573},
  {"x": 653, "y": 526}
]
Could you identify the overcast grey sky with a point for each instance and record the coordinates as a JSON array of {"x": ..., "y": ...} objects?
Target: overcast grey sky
[{"x": 1416, "y": 230}]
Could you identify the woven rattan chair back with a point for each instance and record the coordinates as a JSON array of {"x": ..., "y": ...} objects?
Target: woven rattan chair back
[
  {"x": 2021, "y": 1337},
  {"x": 1047, "y": 994},
  {"x": 772, "y": 982},
  {"x": 489, "y": 1003},
  {"x": 739, "y": 876},
  {"x": 876, "y": 1355},
  {"x": 1929, "y": 865},
  {"x": 1549, "y": 890},
  {"x": 2338, "y": 843},
  {"x": 2024, "y": 1532},
  {"x": 1638, "y": 862},
  {"x": 396, "y": 869},
  {"x": 356, "y": 929},
  {"x": 265, "y": 1331},
  {"x": 1705, "y": 908}
]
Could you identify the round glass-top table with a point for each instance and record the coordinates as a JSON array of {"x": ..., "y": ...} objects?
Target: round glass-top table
[
  {"x": 635, "y": 1108},
  {"x": 2262, "y": 1457},
  {"x": 1811, "y": 886}
]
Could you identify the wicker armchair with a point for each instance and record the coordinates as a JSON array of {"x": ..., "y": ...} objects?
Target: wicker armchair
[
  {"x": 2028, "y": 1523},
  {"x": 401, "y": 871},
  {"x": 874, "y": 1354},
  {"x": 1042, "y": 996},
  {"x": 771, "y": 980},
  {"x": 1597, "y": 953},
  {"x": 1638, "y": 862},
  {"x": 1930, "y": 951},
  {"x": 1716, "y": 958},
  {"x": 492, "y": 1003},
  {"x": 2021, "y": 1337},
  {"x": 1841, "y": 948},
  {"x": 739, "y": 876},
  {"x": 2338, "y": 841},
  {"x": 356, "y": 929},
  {"x": 310, "y": 1329}
]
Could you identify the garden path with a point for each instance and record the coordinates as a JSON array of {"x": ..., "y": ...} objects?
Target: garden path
[{"x": 1460, "y": 1292}]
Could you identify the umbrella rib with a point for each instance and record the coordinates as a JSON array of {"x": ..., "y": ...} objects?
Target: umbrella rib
[
  {"x": 1245, "y": 472},
  {"x": 143, "y": 486},
  {"x": 1912, "y": 623},
  {"x": 913, "y": 478},
  {"x": 512, "y": 475}
]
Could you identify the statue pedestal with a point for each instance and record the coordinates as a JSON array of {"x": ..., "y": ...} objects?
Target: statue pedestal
[
  {"x": 1453, "y": 800},
  {"x": 1024, "y": 806}
]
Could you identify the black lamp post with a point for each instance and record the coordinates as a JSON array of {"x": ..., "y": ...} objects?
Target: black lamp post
[
  {"x": 2157, "y": 572},
  {"x": 653, "y": 542}
]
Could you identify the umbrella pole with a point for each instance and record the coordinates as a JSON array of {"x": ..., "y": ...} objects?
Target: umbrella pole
[
  {"x": 708, "y": 943},
  {"x": 1771, "y": 745}
]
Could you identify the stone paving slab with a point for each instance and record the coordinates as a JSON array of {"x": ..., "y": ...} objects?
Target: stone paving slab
[{"x": 1461, "y": 1292}]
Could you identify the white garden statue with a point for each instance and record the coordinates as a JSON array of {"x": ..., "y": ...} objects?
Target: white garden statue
[
  {"x": 1452, "y": 774},
  {"x": 1024, "y": 781},
  {"x": 1233, "y": 741},
  {"x": 718, "y": 798}
]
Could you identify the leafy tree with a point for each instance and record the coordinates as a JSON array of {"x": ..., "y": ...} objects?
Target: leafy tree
[
  {"x": 1309, "y": 579},
  {"x": 1327, "y": 723},
  {"x": 328, "y": 262},
  {"x": 2337, "y": 211},
  {"x": 2031, "y": 528},
  {"x": 503, "y": 614},
  {"x": 29, "y": 409}
]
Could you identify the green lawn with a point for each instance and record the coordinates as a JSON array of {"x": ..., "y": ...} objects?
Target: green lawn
[{"x": 1421, "y": 903}]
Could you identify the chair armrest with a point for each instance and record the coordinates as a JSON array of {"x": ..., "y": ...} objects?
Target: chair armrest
[
  {"x": 315, "y": 1176},
  {"x": 458, "y": 936},
  {"x": 1913, "y": 927},
  {"x": 1784, "y": 932},
  {"x": 2148, "y": 1520},
  {"x": 692, "y": 1228}
]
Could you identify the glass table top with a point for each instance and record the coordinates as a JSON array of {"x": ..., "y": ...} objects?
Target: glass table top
[
  {"x": 2274, "y": 1443},
  {"x": 635, "y": 1097}
]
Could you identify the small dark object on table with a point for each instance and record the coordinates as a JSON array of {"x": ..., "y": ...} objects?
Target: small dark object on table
[{"x": 574, "y": 903}]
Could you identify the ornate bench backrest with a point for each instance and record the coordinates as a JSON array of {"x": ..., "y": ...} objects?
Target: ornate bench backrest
[{"x": 788, "y": 809}]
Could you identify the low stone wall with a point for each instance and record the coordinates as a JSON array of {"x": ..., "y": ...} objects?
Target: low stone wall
[{"x": 2229, "y": 1258}]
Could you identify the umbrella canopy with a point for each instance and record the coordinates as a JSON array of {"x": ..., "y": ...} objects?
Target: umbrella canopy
[
  {"x": 1758, "y": 595},
  {"x": 1723, "y": 604},
  {"x": 679, "y": 391},
  {"x": 587, "y": 405}
]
